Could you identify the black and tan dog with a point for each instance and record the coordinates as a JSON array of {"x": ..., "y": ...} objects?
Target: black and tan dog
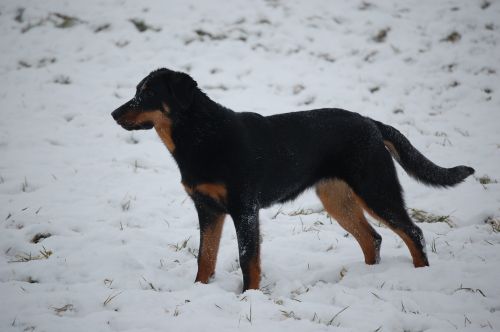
[{"x": 237, "y": 163}]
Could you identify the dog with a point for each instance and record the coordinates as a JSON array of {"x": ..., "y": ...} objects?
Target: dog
[{"x": 239, "y": 162}]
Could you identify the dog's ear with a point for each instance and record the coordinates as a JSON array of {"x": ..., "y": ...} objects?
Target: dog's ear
[{"x": 183, "y": 88}]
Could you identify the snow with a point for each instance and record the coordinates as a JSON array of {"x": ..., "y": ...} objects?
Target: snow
[{"x": 123, "y": 234}]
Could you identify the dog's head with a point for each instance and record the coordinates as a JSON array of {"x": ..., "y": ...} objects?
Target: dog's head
[{"x": 159, "y": 96}]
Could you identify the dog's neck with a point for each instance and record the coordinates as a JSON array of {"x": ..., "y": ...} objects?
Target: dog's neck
[
  {"x": 200, "y": 119},
  {"x": 163, "y": 128}
]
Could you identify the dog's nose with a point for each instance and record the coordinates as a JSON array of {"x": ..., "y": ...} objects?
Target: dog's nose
[
  {"x": 120, "y": 111},
  {"x": 115, "y": 115}
]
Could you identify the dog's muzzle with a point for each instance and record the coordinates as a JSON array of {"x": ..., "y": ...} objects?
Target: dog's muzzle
[{"x": 119, "y": 115}]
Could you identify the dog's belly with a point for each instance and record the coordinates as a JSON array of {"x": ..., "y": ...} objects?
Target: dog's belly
[{"x": 287, "y": 182}]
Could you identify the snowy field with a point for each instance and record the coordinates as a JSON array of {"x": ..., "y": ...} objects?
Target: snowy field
[{"x": 97, "y": 233}]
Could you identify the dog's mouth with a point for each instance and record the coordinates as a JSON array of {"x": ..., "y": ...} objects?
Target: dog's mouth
[{"x": 135, "y": 126}]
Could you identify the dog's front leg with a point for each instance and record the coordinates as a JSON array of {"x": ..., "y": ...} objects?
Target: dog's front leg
[
  {"x": 211, "y": 224},
  {"x": 246, "y": 223}
]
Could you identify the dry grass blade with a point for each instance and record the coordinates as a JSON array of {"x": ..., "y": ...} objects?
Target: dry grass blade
[
  {"x": 182, "y": 245},
  {"x": 110, "y": 298},
  {"x": 377, "y": 296},
  {"x": 59, "y": 311},
  {"x": 342, "y": 273},
  {"x": 330, "y": 322},
  {"x": 471, "y": 290},
  {"x": 289, "y": 314},
  {"x": 301, "y": 212},
  {"x": 150, "y": 284},
  {"x": 126, "y": 205}
]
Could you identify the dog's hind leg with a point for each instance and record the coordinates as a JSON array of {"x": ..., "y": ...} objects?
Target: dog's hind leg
[
  {"x": 399, "y": 221},
  {"x": 380, "y": 194},
  {"x": 211, "y": 224},
  {"x": 340, "y": 202}
]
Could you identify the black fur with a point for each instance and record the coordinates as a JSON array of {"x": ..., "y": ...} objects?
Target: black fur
[
  {"x": 417, "y": 165},
  {"x": 264, "y": 160}
]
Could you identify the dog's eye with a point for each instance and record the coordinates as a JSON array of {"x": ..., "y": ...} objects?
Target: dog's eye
[{"x": 149, "y": 93}]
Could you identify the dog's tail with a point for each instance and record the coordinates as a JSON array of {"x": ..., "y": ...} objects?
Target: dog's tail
[{"x": 416, "y": 164}]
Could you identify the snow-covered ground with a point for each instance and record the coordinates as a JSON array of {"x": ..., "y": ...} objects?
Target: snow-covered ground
[{"x": 97, "y": 234}]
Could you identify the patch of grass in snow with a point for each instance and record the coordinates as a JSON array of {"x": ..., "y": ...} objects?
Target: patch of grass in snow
[
  {"x": 485, "y": 4},
  {"x": 122, "y": 43},
  {"x": 267, "y": 289},
  {"x": 452, "y": 37},
  {"x": 59, "y": 311},
  {"x": 31, "y": 280},
  {"x": 212, "y": 36},
  {"x": 494, "y": 222},
  {"x": 39, "y": 237},
  {"x": 42, "y": 62},
  {"x": 427, "y": 217},
  {"x": 289, "y": 314},
  {"x": 63, "y": 21},
  {"x": 30, "y": 26},
  {"x": 381, "y": 36},
  {"x": 60, "y": 21},
  {"x": 279, "y": 301},
  {"x": 403, "y": 309},
  {"x": 305, "y": 229},
  {"x": 142, "y": 26},
  {"x": 485, "y": 179},
  {"x": 181, "y": 245},
  {"x": 131, "y": 139},
  {"x": 203, "y": 35},
  {"x": 26, "y": 257},
  {"x": 62, "y": 79},
  {"x": 327, "y": 57},
  {"x": 19, "y": 18},
  {"x": 365, "y": 5},
  {"x": 299, "y": 212}
]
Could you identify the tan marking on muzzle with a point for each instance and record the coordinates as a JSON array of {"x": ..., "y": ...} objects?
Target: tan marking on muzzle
[{"x": 161, "y": 122}]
